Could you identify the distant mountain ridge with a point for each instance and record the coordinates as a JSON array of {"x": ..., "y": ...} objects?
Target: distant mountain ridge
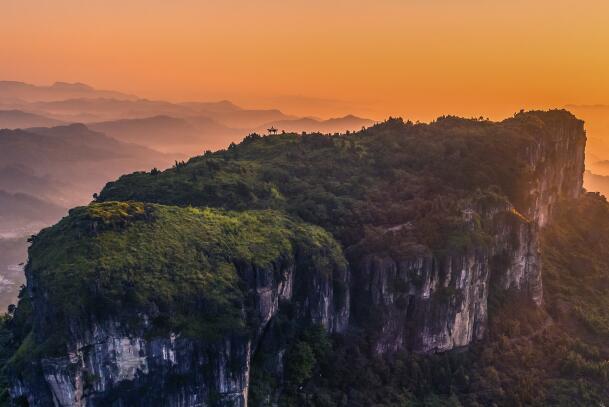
[
  {"x": 312, "y": 125},
  {"x": 18, "y": 119},
  {"x": 44, "y": 171},
  {"x": 597, "y": 183},
  {"x": 20, "y": 91},
  {"x": 16, "y": 207},
  {"x": 81, "y": 103},
  {"x": 66, "y": 164},
  {"x": 171, "y": 134},
  {"x": 193, "y": 134}
]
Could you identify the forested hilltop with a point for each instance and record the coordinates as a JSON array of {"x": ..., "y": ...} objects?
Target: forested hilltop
[
  {"x": 386, "y": 175},
  {"x": 452, "y": 263}
]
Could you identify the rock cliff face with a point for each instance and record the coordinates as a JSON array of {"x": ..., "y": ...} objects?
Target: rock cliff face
[
  {"x": 110, "y": 364},
  {"x": 431, "y": 302},
  {"x": 423, "y": 299},
  {"x": 113, "y": 361}
]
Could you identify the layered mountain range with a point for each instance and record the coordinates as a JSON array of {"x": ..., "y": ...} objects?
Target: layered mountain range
[{"x": 187, "y": 128}]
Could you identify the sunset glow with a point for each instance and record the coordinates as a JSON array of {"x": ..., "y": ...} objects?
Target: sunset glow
[{"x": 414, "y": 58}]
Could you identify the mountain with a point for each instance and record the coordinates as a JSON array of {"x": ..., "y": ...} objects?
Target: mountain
[
  {"x": 249, "y": 119},
  {"x": 93, "y": 110},
  {"x": 15, "y": 119},
  {"x": 452, "y": 263},
  {"x": 44, "y": 171},
  {"x": 194, "y": 134},
  {"x": 20, "y": 178},
  {"x": 600, "y": 167},
  {"x": 186, "y": 127},
  {"x": 19, "y": 208},
  {"x": 16, "y": 92},
  {"x": 13, "y": 251},
  {"x": 222, "y": 106},
  {"x": 597, "y": 128},
  {"x": 105, "y": 109},
  {"x": 597, "y": 183},
  {"x": 66, "y": 164},
  {"x": 108, "y": 109},
  {"x": 169, "y": 134},
  {"x": 312, "y": 125}
]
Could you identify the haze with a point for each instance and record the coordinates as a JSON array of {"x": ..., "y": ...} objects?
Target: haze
[{"x": 416, "y": 59}]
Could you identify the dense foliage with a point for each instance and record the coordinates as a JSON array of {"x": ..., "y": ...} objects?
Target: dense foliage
[
  {"x": 386, "y": 175},
  {"x": 554, "y": 355},
  {"x": 15, "y": 328}
]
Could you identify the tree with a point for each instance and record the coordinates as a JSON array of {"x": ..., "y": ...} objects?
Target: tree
[{"x": 300, "y": 363}]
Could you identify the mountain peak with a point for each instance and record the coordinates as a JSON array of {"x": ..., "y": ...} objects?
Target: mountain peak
[{"x": 75, "y": 86}]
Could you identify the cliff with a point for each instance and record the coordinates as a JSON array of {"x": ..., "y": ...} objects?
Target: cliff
[
  {"x": 438, "y": 301},
  {"x": 145, "y": 305},
  {"x": 134, "y": 302}
]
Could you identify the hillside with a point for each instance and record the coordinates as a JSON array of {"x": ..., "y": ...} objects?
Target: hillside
[
  {"x": 66, "y": 164},
  {"x": 45, "y": 171},
  {"x": 598, "y": 183},
  {"x": 438, "y": 259},
  {"x": 555, "y": 355},
  {"x": 19, "y": 208},
  {"x": 17, "y": 119},
  {"x": 428, "y": 174},
  {"x": 187, "y": 128},
  {"x": 20, "y": 92},
  {"x": 204, "y": 273},
  {"x": 169, "y": 134}
]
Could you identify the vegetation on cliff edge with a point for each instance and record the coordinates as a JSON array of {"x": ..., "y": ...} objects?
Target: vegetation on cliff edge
[
  {"x": 555, "y": 355},
  {"x": 353, "y": 185},
  {"x": 176, "y": 267}
]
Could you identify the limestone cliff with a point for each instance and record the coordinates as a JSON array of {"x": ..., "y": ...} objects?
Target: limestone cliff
[
  {"x": 127, "y": 355},
  {"x": 145, "y": 304},
  {"x": 436, "y": 302}
]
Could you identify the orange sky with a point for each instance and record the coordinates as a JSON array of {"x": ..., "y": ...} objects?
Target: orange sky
[{"x": 414, "y": 58}]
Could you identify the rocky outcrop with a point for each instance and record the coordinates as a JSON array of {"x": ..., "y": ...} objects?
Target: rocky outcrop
[
  {"x": 110, "y": 364},
  {"x": 556, "y": 165},
  {"x": 425, "y": 303},
  {"x": 430, "y": 302},
  {"x": 116, "y": 360}
]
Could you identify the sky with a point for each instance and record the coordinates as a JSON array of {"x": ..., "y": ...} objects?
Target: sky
[{"x": 412, "y": 58}]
